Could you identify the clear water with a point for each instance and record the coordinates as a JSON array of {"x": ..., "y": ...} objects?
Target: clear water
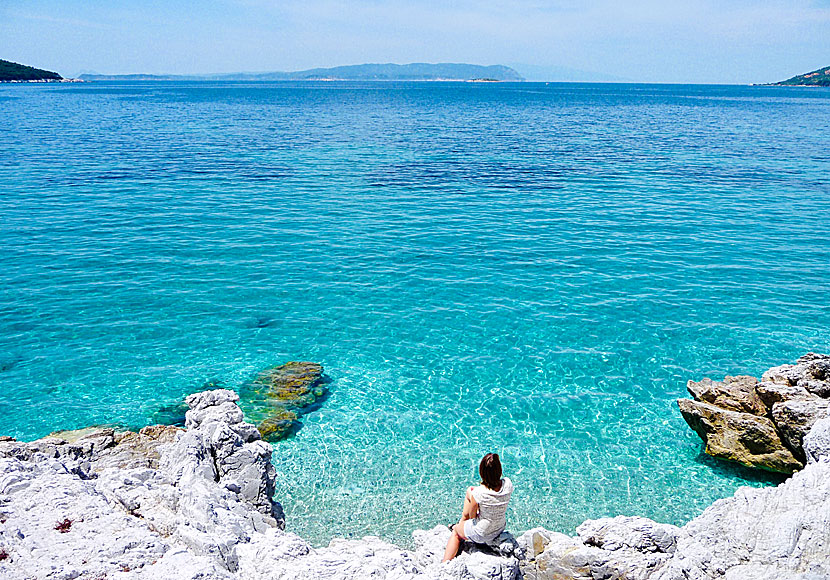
[{"x": 528, "y": 269}]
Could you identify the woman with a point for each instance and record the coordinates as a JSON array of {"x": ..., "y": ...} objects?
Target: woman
[{"x": 483, "y": 516}]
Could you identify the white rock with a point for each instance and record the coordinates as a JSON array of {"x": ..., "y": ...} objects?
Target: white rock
[
  {"x": 165, "y": 504},
  {"x": 817, "y": 441}
]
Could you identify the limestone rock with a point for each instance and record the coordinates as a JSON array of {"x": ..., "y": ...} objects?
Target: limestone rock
[
  {"x": 771, "y": 393},
  {"x": 817, "y": 441},
  {"x": 733, "y": 394},
  {"x": 742, "y": 437},
  {"x": 555, "y": 556},
  {"x": 629, "y": 533},
  {"x": 165, "y": 503},
  {"x": 811, "y": 372},
  {"x": 794, "y": 419}
]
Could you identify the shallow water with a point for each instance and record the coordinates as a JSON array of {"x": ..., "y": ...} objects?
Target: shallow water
[{"x": 529, "y": 269}]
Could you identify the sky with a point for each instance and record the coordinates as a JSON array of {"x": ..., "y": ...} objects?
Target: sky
[{"x": 671, "y": 41}]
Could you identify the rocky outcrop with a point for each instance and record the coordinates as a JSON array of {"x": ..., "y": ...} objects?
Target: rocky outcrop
[
  {"x": 761, "y": 423},
  {"x": 742, "y": 437},
  {"x": 278, "y": 397},
  {"x": 170, "y": 503},
  {"x": 159, "y": 500},
  {"x": 197, "y": 503},
  {"x": 758, "y": 534}
]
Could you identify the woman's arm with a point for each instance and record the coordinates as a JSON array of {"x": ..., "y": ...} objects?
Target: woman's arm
[{"x": 470, "y": 505}]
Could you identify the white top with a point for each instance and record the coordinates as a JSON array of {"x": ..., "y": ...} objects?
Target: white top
[{"x": 492, "y": 507}]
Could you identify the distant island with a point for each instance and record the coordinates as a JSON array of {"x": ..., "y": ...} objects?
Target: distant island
[
  {"x": 358, "y": 72},
  {"x": 14, "y": 72},
  {"x": 817, "y": 78}
]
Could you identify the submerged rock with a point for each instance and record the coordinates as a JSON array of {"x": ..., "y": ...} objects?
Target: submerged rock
[
  {"x": 761, "y": 424},
  {"x": 278, "y": 397}
]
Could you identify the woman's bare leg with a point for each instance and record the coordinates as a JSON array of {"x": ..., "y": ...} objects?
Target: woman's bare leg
[
  {"x": 454, "y": 542},
  {"x": 468, "y": 512}
]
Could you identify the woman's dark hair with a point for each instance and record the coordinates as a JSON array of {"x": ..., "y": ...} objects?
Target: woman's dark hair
[{"x": 490, "y": 471}]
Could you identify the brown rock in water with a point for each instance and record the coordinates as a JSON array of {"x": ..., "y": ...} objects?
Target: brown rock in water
[
  {"x": 742, "y": 437},
  {"x": 278, "y": 425},
  {"x": 294, "y": 384},
  {"x": 278, "y": 396},
  {"x": 733, "y": 394}
]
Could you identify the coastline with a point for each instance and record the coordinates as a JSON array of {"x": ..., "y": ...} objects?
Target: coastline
[
  {"x": 42, "y": 81},
  {"x": 197, "y": 503}
]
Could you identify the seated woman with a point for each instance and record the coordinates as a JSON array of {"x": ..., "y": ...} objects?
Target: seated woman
[{"x": 483, "y": 516}]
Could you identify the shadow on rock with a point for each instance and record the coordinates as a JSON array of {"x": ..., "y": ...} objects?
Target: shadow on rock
[{"x": 736, "y": 470}]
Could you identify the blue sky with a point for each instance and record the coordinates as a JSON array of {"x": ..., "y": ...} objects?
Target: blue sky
[{"x": 718, "y": 41}]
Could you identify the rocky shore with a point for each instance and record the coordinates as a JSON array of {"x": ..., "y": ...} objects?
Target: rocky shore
[
  {"x": 197, "y": 502},
  {"x": 761, "y": 423}
]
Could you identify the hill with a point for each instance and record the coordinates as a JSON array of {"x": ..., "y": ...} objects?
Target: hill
[
  {"x": 358, "y": 72},
  {"x": 11, "y": 71},
  {"x": 817, "y": 78}
]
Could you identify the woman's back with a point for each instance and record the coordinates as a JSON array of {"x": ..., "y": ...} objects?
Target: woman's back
[{"x": 492, "y": 509}]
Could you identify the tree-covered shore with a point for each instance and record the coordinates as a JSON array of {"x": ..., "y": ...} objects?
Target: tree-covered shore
[{"x": 12, "y": 71}]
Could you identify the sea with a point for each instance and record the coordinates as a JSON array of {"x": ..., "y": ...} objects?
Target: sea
[{"x": 529, "y": 269}]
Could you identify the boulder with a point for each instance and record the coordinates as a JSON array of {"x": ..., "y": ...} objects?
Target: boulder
[
  {"x": 610, "y": 548},
  {"x": 748, "y": 439},
  {"x": 771, "y": 393},
  {"x": 733, "y": 394},
  {"x": 794, "y": 419},
  {"x": 817, "y": 441},
  {"x": 811, "y": 372}
]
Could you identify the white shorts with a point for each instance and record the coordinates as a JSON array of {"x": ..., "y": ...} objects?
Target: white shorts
[{"x": 471, "y": 534}]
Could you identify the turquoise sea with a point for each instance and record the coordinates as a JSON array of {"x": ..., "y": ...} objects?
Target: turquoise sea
[{"x": 530, "y": 269}]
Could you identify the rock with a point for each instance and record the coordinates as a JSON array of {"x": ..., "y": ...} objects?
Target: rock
[
  {"x": 791, "y": 397},
  {"x": 621, "y": 547},
  {"x": 629, "y": 533},
  {"x": 295, "y": 384},
  {"x": 811, "y": 372},
  {"x": 219, "y": 446},
  {"x": 733, "y": 394},
  {"x": 555, "y": 556},
  {"x": 166, "y": 503},
  {"x": 277, "y": 397},
  {"x": 279, "y": 425},
  {"x": 771, "y": 393},
  {"x": 748, "y": 439},
  {"x": 817, "y": 441},
  {"x": 794, "y": 419}
]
